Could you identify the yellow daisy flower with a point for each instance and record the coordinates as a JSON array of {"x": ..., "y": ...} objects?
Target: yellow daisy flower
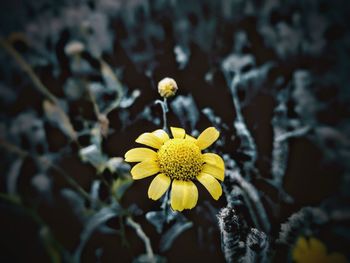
[
  {"x": 314, "y": 251},
  {"x": 178, "y": 160}
]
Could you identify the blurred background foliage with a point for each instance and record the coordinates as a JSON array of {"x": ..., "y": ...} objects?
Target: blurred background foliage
[{"x": 78, "y": 85}]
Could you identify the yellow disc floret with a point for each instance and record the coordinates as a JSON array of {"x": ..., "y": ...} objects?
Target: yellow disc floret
[{"x": 180, "y": 159}]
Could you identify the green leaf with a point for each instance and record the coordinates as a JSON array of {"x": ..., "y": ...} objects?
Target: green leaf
[
  {"x": 94, "y": 223},
  {"x": 93, "y": 155},
  {"x": 120, "y": 186}
]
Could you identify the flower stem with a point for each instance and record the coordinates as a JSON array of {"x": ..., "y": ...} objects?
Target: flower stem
[
  {"x": 165, "y": 109},
  {"x": 166, "y": 205}
]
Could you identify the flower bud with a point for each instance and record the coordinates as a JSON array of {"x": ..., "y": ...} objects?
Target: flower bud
[{"x": 167, "y": 87}]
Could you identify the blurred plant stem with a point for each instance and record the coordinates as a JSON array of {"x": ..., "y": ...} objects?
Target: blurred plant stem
[
  {"x": 23, "y": 154},
  {"x": 137, "y": 227},
  {"x": 165, "y": 109},
  {"x": 34, "y": 78},
  {"x": 122, "y": 233},
  {"x": 27, "y": 69},
  {"x": 166, "y": 204}
]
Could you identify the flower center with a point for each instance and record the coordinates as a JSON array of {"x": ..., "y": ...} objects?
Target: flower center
[{"x": 180, "y": 159}]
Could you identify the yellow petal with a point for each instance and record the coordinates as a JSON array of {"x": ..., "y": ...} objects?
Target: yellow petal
[
  {"x": 337, "y": 258},
  {"x": 178, "y": 132},
  {"x": 189, "y": 137},
  {"x": 300, "y": 249},
  {"x": 191, "y": 195},
  {"x": 214, "y": 159},
  {"x": 317, "y": 246},
  {"x": 144, "y": 169},
  {"x": 211, "y": 184},
  {"x": 207, "y": 138},
  {"x": 184, "y": 195},
  {"x": 161, "y": 134},
  {"x": 302, "y": 243},
  {"x": 158, "y": 187},
  {"x": 176, "y": 195},
  {"x": 215, "y": 171},
  {"x": 140, "y": 154},
  {"x": 149, "y": 139}
]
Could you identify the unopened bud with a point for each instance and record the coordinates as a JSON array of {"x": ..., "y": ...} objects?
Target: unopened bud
[{"x": 167, "y": 87}]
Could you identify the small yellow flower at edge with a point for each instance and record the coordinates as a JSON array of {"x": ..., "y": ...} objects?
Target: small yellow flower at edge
[
  {"x": 178, "y": 161},
  {"x": 314, "y": 251}
]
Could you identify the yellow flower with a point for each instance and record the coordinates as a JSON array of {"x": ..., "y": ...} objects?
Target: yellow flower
[
  {"x": 167, "y": 87},
  {"x": 314, "y": 251},
  {"x": 181, "y": 161}
]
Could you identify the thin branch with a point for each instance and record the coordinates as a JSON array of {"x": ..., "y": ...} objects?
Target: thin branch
[
  {"x": 280, "y": 150},
  {"x": 247, "y": 146},
  {"x": 238, "y": 193},
  {"x": 28, "y": 70},
  {"x": 138, "y": 229},
  {"x": 68, "y": 178},
  {"x": 23, "y": 154},
  {"x": 36, "y": 81},
  {"x": 280, "y": 124},
  {"x": 252, "y": 199},
  {"x": 292, "y": 134}
]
